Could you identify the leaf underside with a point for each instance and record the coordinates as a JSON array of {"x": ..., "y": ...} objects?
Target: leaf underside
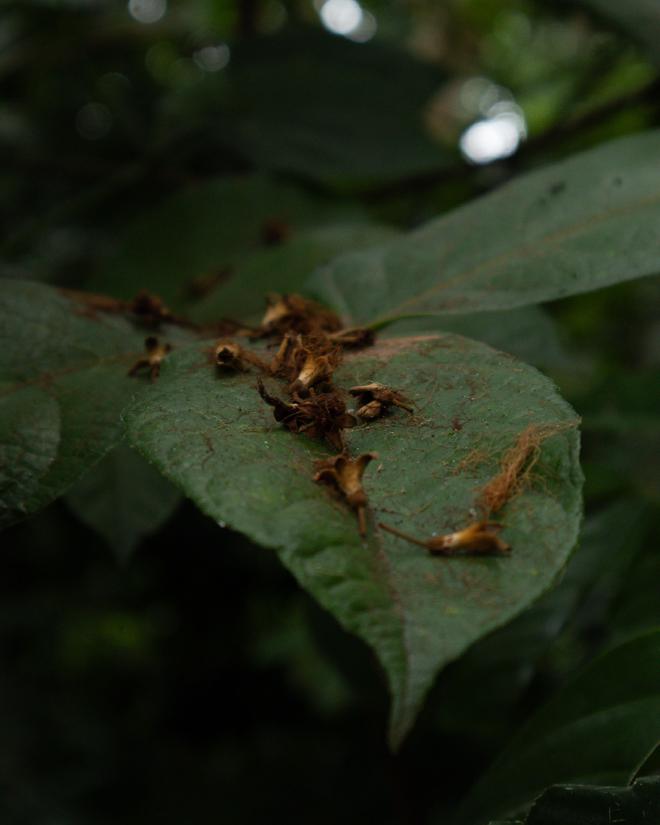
[{"x": 213, "y": 437}]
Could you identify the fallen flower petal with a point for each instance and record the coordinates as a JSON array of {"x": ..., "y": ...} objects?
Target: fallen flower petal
[
  {"x": 478, "y": 539},
  {"x": 345, "y": 474}
]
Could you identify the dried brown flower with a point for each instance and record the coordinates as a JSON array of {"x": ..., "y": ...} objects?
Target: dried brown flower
[
  {"x": 319, "y": 361},
  {"x": 229, "y": 356},
  {"x": 293, "y": 313},
  {"x": 155, "y": 352},
  {"x": 345, "y": 475},
  {"x": 479, "y": 539},
  {"x": 321, "y": 415},
  {"x": 287, "y": 360},
  {"x": 305, "y": 361},
  {"x": 376, "y": 399}
]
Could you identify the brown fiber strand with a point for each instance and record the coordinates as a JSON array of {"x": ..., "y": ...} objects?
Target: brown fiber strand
[{"x": 516, "y": 467}]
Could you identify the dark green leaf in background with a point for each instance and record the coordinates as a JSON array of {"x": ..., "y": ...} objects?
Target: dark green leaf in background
[
  {"x": 586, "y": 805},
  {"x": 201, "y": 230},
  {"x": 601, "y": 727},
  {"x": 283, "y": 268},
  {"x": 340, "y": 113},
  {"x": 214, "y": 438},
  {"x": 123, "y": 499},
  {"x": 638, "y": 18},
  {"x": 578, "y": 225}
]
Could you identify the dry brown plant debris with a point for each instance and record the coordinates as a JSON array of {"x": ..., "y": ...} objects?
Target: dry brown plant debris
[
  {"x": 293, "y": 313},
  {"x": 310, "y": 349},
  {"x": 345, "y": 475},
  {"x": 229, "y": 356},
  {"x": 515, "y": 475},
  {"x": 479, "y": 539},
  {"x": 516, "y": 467},
  {"x": 155, "y": 352},
  {"x": 376, "y": 399},
  {"x": 320, "y": 415},
  {"x": 305, "y": 361}
]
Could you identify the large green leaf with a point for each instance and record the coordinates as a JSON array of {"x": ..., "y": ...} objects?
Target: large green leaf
[
  {"x": 600, "y": 728},
  {"x": 202, "y": 230},
  {"x": 213, "y": 437},
  {"x": 578, "y": 225},
  {"x": 340, "y": 113},
  {"x": 123, "y": 499},
  {"x": 63, "y": 385}
]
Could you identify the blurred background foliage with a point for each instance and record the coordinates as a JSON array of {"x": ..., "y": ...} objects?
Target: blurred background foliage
[{"x": 165, "y": 144}]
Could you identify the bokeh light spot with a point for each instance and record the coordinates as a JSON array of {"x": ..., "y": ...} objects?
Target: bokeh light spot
[
  {"x": 341, "y": 16},
  {"x": 212, "y": 58},
  {"x": 497, "y": 136},
  {"x": 147, "y": 11}
]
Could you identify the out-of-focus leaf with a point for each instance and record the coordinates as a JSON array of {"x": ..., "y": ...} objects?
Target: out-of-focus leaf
[
  {"x": 528, "y": 333},
  {"x": 575, "y": 226},
  {"x": 637, "y": 607},
  {"x": 587, "y": 805},
  {"x": 200, "y": 231},
  {"x": 341, "y": 113},
  {"x": 123, "y": 499},
  {"x": 214, "y": 438},
  {"x": 63, "y": 386},
  {"x": 622, "y": 415},
  {"x": 283, "y": 268},
  {"x": 638, "y": 18},
  {"x": 600, "y": 727}
]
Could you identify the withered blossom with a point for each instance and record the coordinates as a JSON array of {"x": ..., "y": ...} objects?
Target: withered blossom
[
  {"x": 319, "y": 361},
  {"x": 293, "y": 313},
  {"x": 155, "y": 352},
  {"x": 376, "y": 399},
  {"x": 231, "y": 357},
  {"x": 228, "y": 356},
  {"x": 286, "y": 361},
  {"x": 345, "y": 475},
  {"x": 305, "y": 361},
  {"x": 478, "y": 539},
  {"x": 321, "y": 415}
]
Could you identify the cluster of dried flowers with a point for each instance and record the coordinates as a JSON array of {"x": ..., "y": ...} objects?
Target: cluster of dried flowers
[{"x": 310, "y": 342}]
